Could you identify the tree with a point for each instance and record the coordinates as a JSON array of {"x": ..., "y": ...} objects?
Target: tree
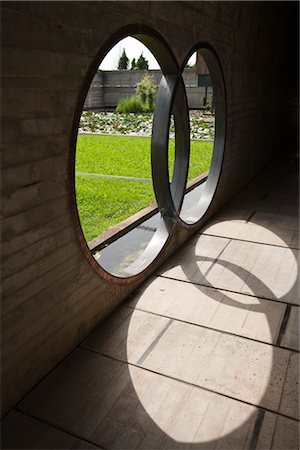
[
  {"x": 123, "y": 61},
  {"x": 190, "y": 66},
  {"x": 133, "y": 64},
  {"x": 142, "y": 63}
]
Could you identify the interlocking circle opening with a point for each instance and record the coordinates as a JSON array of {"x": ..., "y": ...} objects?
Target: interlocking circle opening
[
  {"x": 133, "y": 251},
  {"x": 186, "y": 208}
]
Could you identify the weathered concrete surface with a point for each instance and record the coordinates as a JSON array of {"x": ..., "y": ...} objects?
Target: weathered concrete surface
[
  {"x": 180, "y": 365},
  {"x": 51, "y": 296}
]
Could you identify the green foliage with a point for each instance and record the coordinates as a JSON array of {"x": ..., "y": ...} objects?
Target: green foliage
[
  {"x": 208, "y": 105},
  {"x": 142, "y": 63},
  {"x": 132, "y": 104},
  {"x": 123, "y": 61},
  {"x": 145, "y": 89},
  {"x": 144, "y": 99}
]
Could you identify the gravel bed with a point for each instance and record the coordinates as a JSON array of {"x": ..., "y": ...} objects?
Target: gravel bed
[{"x": 202, "y": 125}]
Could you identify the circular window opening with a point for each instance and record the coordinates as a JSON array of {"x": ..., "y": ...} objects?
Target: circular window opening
[
  {"x": 116, "y": 204},
  {"x": 206, "y": 104}
]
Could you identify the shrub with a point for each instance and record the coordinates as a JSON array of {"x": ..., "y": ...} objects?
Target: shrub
[
  {"x": 131, "y": 105},
  {"x": 142, "y": 101},
  {"x": 145, "y": 89}
]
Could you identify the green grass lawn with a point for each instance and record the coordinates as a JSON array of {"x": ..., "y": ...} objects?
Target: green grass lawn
[{"x": 102, "y": 202}]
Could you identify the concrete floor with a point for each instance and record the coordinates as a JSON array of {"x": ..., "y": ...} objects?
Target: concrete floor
[{"x": 204, "y": 355}]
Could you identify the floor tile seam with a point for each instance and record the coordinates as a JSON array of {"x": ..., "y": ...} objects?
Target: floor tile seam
[
  {"x": 65, "y": 357},
  {"x": 284, "y": 381},
  {"x": 202, "y": 420},
  {"x": 215, "y": 260},
  {"x": 154, "y": 342},
  {"x": 168, "y": 277},
  {"x": 274, "y": 431},
  {"x": 250, "y": 216},
  {"x": 73, "y": 350},
  {"x": 109, "y": 333},
  {"x": 257, "y": 429},
  {"x": 213, "y": 329},
  {"x": 57, "y": 427},
  {"x": 257, "y": 256},
  {"x": 203, "y": 233},
  {"x": 284, "y": 324},
  {"x": 188, "y": 383}
]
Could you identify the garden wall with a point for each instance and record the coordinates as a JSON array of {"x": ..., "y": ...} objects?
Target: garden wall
[
  {"x": 108, "y": 87},
  {"x": 51, "y": 297}
]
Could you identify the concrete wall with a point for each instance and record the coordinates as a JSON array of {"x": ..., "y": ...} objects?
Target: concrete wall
[
  {"x": 95, "y": 100},
  {"x": 51, "y": 296},
  {"x": 108, "y": 87}
]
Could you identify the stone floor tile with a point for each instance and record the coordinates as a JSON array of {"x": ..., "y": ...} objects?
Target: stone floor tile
[
  {"x": 186, "y": 422},
  {"x": 131, "y": 339},
  {"x": 295, "y": 241},
  {"x": 174, "y": 263},
  {"x": 176, "y": 353},
  {"x": 265, "y": 427},
  {"x": 117, "y": 405},
  {"x": 69, "y": 396},
  {"x": 286, "y": 434},
  {"x": 251, "y": 231},
  {"x": 120, "y": 406},
  {"x": 107, "y": 431},
  {"x": 275, "y": 222},
  {"x": 127, "y": 439},
  {"x": 278, "y": 433},
  {"x": 283, "y": 278},
  {"x": 224, "y": 228},
  {"x": 290, "y": 396},
  {"x": 291, "y": 336},
  {"x": 248, "y": 316},
  {"x": 260, "y": 268},
  {"x": 243, "y": 435},
  {"x": 178, "y": 300},
  {"x": 198, "y": 256},
  {"x": 110, "y": 325},
  {"x": 234, "y": 366},
  {"x": 229, "y": 269},
  {"x": 225, "y": 311},
  {"x": 19, "y": 431},
  {"x": 256, "y": 269},
  {"x": 239, "y": 368},
  {"x": 229, "y": 213},
  {"x": 261, "y": 228}
]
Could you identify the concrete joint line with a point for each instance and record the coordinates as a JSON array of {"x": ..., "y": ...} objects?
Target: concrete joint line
[{"x": 154, "y": 343}]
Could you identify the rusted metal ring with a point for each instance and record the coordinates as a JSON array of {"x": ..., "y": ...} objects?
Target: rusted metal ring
[
  {"x": 171, "y": 98},
  {"x": 194, "y": 215}
]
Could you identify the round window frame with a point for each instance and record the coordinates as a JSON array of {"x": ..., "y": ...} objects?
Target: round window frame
[
  {"x": 214, "y": 65},
  {"x": 170, "y": 68},
  {"x": 170, "y": 206}
]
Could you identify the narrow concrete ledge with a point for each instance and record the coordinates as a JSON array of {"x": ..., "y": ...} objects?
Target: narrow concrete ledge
[{"x": 115, "y": 232}]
